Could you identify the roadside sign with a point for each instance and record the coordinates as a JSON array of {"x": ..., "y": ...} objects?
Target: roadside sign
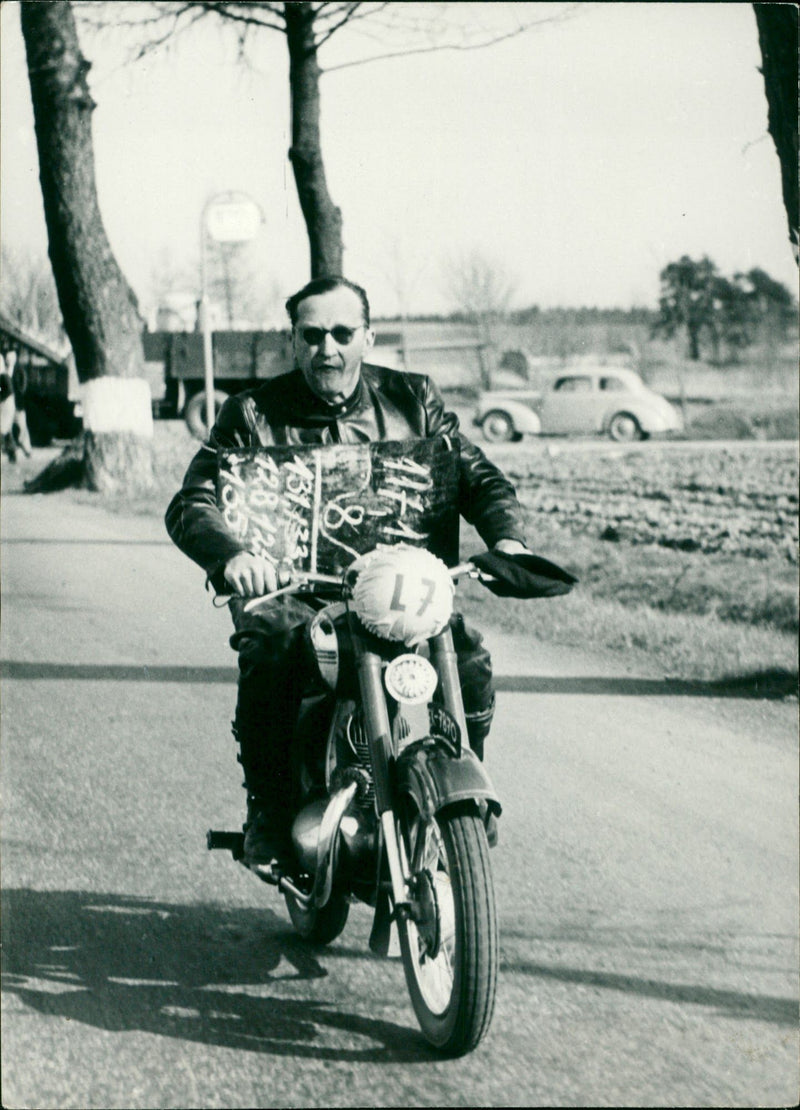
[
  {"x": 226, "y": 218},
  {"x": 233, "y": 220}
]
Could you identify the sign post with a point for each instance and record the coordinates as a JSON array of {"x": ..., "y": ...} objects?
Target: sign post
[{"x": 226, "y": 218}]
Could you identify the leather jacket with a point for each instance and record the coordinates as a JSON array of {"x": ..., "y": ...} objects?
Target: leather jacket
[{"x": 386, "y": 405}]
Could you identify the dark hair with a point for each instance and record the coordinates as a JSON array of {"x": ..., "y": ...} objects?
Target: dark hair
[{"x": 326, "y": 285}]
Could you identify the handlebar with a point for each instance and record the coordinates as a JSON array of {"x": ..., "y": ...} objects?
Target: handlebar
[
  {"x": 520, "y": 576},
  {"x": 303, "y": 581}
]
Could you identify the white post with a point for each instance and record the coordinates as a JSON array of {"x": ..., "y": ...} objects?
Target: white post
[
  {"x": 208, "y": 350},
  {"x": 226, "y": 218}
]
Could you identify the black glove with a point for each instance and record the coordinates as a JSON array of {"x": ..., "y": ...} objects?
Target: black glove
[{"x": 523, "y": 576}]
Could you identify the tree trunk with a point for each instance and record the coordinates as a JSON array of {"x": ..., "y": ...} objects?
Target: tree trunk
[
  {"x": 693, "y": 332},
  {"x": 323, "y": 219},
  {"x": 777, "y": 37},
  {"x": 99, "y": 308}
]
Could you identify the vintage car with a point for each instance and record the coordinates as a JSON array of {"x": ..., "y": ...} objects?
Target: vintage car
[{"x": 602, "y": 400}]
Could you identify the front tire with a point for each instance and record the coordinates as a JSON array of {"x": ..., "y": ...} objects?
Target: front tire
[
  {"x": 498, "y": 427},
  {"x": 195, "y": 412},
  {"x": 624, "y": 428},
  {"x": 450, "y": 945}
]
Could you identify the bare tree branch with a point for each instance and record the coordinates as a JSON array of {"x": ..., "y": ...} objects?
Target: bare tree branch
[
  {"x": 155, "y": 14},
  {"x": 570, "y": 10},
  {"x": 349, "y": 11},
  {"x": 245, "y": 13},
  {"x": 365, "y": 11},
  {"x": 172, "y": 31},
  {"x": 480, "y": 287},
  {"x": 335, "y": 9}
]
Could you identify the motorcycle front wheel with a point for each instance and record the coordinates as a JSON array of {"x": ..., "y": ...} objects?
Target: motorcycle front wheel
[{"x": 449, "y": 943}]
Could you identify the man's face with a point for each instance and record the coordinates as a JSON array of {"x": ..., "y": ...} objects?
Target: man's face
[{"x": 331, "y": 363}]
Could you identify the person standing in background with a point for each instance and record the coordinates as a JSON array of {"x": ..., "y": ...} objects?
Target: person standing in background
[
  {"x": 19, "y": 382},
  {"x": 7, "y": 413}
]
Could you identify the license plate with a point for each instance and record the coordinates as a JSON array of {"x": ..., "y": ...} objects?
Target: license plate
[{"x": 444, "y": 727}]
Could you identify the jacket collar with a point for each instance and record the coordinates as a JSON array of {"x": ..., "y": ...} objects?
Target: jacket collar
[{"x": 318, "y": 412}]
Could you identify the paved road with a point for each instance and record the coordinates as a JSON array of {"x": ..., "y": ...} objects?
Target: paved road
[{"x": 647, "y": 873}]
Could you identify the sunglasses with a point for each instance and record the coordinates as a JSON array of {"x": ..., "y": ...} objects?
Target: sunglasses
[{"x": 341, "y": 334}]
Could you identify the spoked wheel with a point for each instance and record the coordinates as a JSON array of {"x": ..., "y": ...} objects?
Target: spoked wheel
[
  {"x": 320, "y": 926},
  {"x": 449, "y": 946}
]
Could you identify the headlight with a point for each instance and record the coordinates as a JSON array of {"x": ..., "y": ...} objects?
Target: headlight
[{"x": 410, "y": 679}]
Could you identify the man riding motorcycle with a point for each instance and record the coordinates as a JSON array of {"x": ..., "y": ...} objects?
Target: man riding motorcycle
[{"x": 331, "y": 396}]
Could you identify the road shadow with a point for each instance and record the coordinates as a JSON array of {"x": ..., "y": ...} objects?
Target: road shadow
[
  {"x": 768, "y": 684},
  {"x": 69, "y": 542},
  {"x": 194, "y": 972},
  {"x": 735, "y": 1004},
  {"x": 117, "y": 672},
  {"x": 772, "y": 685}
]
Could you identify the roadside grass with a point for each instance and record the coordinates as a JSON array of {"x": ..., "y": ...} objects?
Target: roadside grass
[
  {"x": 767, "y": 420},
  {"x": 694, "y": 618},
  {"x": 678, "y": 646},
  {"x": 729, "y": 588}
]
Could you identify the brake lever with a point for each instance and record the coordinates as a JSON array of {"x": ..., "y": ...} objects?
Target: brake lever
[
  {"x": 293, "y": 587},
  {"x": 471, "y": 571},
  {"x": 297, "y": 585}
]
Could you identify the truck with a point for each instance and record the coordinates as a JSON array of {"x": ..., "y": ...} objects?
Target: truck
[{"x": 175, "y": 368}]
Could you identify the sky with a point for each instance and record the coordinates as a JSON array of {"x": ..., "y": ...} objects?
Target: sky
[{"x": 578, "y": 159}]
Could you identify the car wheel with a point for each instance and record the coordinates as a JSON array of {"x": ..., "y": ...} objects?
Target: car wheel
[
  {"x": 498, "y": 427},
  {"x": 195, "y": 412},
  {"x": 624, "y": 428}
]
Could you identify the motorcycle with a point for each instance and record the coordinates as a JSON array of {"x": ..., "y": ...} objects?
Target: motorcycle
[{"x": 393, "y": 809}]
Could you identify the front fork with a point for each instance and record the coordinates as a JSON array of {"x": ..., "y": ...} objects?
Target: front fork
[{"x": 369, "y": 665}]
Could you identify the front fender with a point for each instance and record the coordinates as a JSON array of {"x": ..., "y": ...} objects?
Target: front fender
[
  {"x": 652, "y": 418},
  {"x": 522, "y": 416},
  {"x": 435, "y": 778}
]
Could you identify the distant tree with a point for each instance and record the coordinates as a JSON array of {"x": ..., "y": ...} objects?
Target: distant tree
[
  {"x": 237, "y": 284},
  {"x": 686, "y": 300},
  {"x": 528, "y": 315},
  {"x": 481, "y": 290},
  {"x": 28, "y": 294},
  {"x": 403, "y": 270},
  {"x": 777, "y": 37},
  {"x": 98, "y": 306},
  {"x": 171, "y": 289},
  {"x": 767, "y": 308},
  {"x": 729, "y": 314}
]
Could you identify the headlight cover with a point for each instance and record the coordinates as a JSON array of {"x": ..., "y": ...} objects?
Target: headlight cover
[
  {"x": 410, "y": 679},
  {"x": 403, "y": 594}
]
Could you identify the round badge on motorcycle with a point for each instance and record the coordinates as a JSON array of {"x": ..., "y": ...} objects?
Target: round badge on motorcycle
[
  {"x": 410, "y": 679},
  {"x": 403, "y": 594}
]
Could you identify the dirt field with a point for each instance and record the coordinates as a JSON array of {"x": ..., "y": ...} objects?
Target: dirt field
[{"x": 733, "y": 500}]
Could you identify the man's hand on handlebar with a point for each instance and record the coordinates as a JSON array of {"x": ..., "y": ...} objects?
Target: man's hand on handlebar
[
  {"x": 252, "y": 575},
  {"x": 511, "y": 547}
]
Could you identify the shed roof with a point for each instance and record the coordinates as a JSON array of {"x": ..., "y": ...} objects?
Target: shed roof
[{"x": 19, "y": 336}]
